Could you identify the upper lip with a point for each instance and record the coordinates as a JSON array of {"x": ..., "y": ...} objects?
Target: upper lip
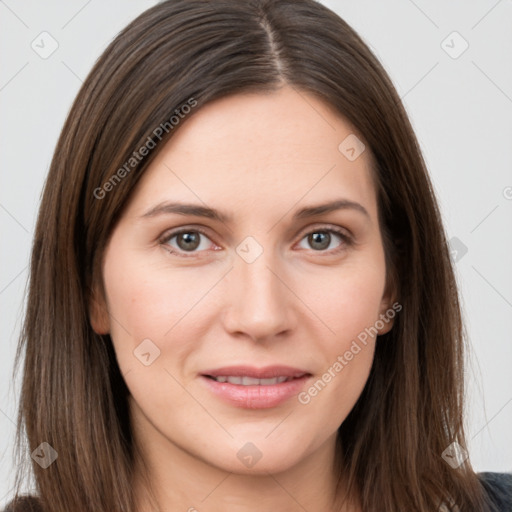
[{"x": 267, "y": 372}]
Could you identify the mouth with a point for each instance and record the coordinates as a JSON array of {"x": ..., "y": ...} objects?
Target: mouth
[
  {"x": 255, "y": 388},
  {"x": 250, "y": 381}
]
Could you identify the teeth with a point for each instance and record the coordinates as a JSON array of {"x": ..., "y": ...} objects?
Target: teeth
[{"x": 251, "y": 381}]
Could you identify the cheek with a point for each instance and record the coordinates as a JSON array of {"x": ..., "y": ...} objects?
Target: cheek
[
  {"x": 146, "y": 301},
  {"x": 348, "y": 300},
  {"x": 348, "y": 304}
]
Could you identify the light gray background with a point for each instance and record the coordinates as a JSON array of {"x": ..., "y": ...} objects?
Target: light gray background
[{"x": 461, "y": 109}]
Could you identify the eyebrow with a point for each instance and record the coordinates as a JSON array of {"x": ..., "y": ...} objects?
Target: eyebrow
[{"x": 210, "y": 213}]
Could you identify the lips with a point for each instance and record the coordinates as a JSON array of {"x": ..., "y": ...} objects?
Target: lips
[{"x": 255, "y": 388}]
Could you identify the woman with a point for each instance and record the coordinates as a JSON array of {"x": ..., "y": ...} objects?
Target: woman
[{"x": 241, "y": 296}]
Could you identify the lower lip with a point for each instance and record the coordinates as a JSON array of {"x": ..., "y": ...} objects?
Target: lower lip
[{"x": 256, "y": 397}]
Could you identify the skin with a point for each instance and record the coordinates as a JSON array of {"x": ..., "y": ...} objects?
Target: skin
[{"x": 259, "y": 158}]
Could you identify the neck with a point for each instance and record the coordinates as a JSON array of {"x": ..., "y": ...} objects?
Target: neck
[{"x": 169, "y": 478}]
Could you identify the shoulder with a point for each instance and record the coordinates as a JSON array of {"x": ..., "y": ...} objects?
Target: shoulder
[
  {"x": 498, "y": 487},
  {"x": 23, "y": 504}
]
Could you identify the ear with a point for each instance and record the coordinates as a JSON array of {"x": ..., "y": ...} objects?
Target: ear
[
  {"x": 98, "y": 311},
  {"x": 389, "y": 308}
]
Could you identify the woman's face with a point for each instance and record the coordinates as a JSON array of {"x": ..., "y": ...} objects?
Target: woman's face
[{"x": 246, "y": 340}]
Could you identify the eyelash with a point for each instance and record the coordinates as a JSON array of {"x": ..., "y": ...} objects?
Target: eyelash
[{"x": 346, "y": 240}]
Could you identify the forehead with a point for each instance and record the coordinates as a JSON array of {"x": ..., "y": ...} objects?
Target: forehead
[{"x": 264, "y": 150}]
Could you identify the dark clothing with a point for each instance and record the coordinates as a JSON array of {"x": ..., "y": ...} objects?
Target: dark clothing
[{"x": 498, "y": 487}]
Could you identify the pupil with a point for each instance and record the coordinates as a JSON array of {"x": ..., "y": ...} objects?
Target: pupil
[
  {"x": 321, "y": 238},
  {"x": 188, "y": 241}
]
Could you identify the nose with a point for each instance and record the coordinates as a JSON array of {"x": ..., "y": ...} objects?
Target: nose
[{"x": 258, "y": 302}]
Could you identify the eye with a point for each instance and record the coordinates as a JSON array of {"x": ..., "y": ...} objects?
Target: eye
[
  {"x": 324, "y": 240},
  {"x": 185, "y": 241},
  {"x": 193, "y": 241}
]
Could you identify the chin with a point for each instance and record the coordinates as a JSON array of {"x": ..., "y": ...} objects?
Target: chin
[{"x": 260, "y": 457}]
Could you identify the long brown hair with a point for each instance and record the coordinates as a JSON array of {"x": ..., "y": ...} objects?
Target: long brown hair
[{"x": 188, "y": 52}]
